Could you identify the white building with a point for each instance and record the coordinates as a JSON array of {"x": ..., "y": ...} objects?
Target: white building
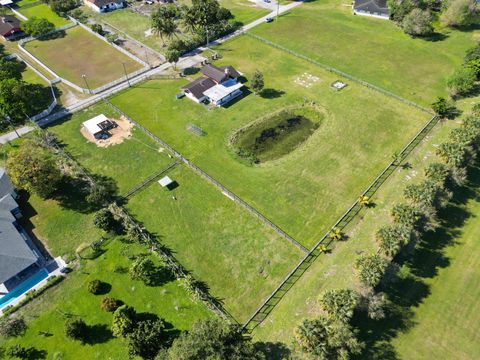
[
  {"x": 105, "y": 5},
  {"x": 99, "y": 126}
]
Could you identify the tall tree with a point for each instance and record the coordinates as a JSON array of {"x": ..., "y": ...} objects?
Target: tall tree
[
  {"x": 34, "y": 169},
  {"x": 37, "y": 26},
  {"x": 327, "y": 339},
  {"x": 460, "y": 13},
  {"x": 370, "y": 269},
  {"x": 146, "y": 339},
  {"x": 339, "y": 303},
  {"x": 257, "y": 83}
]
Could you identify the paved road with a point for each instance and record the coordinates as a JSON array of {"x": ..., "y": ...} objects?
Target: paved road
[{"x": 185, "y": 61}]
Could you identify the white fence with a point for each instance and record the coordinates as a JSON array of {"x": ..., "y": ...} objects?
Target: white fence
[{"x": 57, "y": 77}]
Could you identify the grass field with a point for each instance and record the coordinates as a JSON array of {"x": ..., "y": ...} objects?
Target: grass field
[
  {"x": 373, "y": 50},
  {"x": 360, "y": 132},
  {"x": 335, "y": 270},
  {"x": 48, "y": 313},
  {"x": 34, "y": 8},
  {"x": 446, "y": 322},
  {"x": 238, "y": 257},
  {"x": 80, "y": 53},
  {"x": 30, "y": 76},
  {"x": 128, "y": 163},
  {"x": 244, "y": 11}
]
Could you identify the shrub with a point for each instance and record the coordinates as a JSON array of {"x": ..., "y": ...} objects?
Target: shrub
[
  {"x": 124, "y": 321},
  {"x": 370, "y": 269},
  {"x": 418, "y": 23},
  {"x": 97, "y": 287},
  {"x": 461, "y": 81},
  {"x": 144, "y": 269},
  {"x": 146, "y": 339},
  {"x": 339, "y": 304},
  {"x": 37, "y": 27},
  {"x": 110, "y": 304},
  {"x": 19, "y": 352},
  {"x": 104, "y": 220},
  {"x": 12, "y": 327},
  {"x": 76, "y": 329},
  {"x": 460, "y": 13},
  {"x": 257, "y": 83},
  {"x": 97, "y": 28}
]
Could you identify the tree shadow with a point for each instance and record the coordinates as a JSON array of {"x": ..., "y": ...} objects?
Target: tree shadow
[
  {"x": 434, "y": 37},
  {"x": 273, "y": 350},
  {"x": 56, "y": 35},
  {"x": 98, "y": 334},
  {"x": 407, "y": 288},
  {"x": 271, "y": 93}
]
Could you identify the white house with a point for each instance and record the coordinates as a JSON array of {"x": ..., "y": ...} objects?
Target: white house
[
  {"x": 218, "y": 85},
  {"x": 105, "y": 5}
]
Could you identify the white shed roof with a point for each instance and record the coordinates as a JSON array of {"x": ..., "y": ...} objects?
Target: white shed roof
[
  {"x": 92, "y": 124},
  {"x": 165, "y": 181},
  {"x": 6, "y": 2},
  {"x": 219, "y": 91}
]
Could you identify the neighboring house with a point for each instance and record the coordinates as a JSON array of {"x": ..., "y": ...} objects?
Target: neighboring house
[
  {"x": 219, "y": 85},
  {"x": 105, "y": 5},
  {"x": 18, "y": 259},
  {"x": 9, "y": 26},
  {"x": 375, "y": 8}
]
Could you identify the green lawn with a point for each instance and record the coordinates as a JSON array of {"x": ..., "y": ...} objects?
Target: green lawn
[
  {"x": 447, "y": 321},
  {"x": 128, "y": 163},
  {"x": 34, "y": 8},
  {"x": 80, "y": 53},
  {"x": 30, "y": 76},
  {"x": 356, "y": 139},
  {"x": 48, "y": 313},
  {"x": 244, "y": 11},
  {"x": 335, "y": 270},
  {"x": 240, "y": 259},
  {"x": 373, "y": 50}
]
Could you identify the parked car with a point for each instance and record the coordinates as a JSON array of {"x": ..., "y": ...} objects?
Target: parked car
[
  {"x": 268, "y": 19},
  {"x": 149, "y": 2}
]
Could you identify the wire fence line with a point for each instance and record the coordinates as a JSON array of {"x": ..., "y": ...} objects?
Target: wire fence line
[
  {"x": 340, "y": 73},
  {"x": 214, "y": 182},
  {"x": 149, "y": 180},
  {"x": 271, "y": 301}
]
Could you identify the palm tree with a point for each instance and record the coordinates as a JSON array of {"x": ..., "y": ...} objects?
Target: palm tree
[
  {"x": 364, "y": 200},
  {"x": 323, "y": 248},
  {"x": 336, "y": 234}
]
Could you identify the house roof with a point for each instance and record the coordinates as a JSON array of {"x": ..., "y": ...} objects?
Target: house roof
[
  {"x": 15, "y": 254},
  {"x": 379, "y": 7},
  {"x": 219, "y": 91},
  {"x": 101, "y": 3},
  {"x": 92, "y": 125},
  {"x": 8, "y": 23},
  {"x": 198, "y": 86},
  {"x": 6, "y": 186},
  {"x": 219, "y": 74}
]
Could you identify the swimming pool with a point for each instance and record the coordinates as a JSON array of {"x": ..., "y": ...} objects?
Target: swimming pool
[{"x": 23, "y": 288}]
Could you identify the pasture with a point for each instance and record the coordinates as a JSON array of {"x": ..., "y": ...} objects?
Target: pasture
[
  {"x": 78, "y": 53},
  {"x": 305, "y": 191},
  {"x": 35, "y": 8},
  {"x": 238, "y": 257},
  {"x": 127, "y": 163},
  {"x": 371, "y": 49},
  {"x": 48, "y": 313}
]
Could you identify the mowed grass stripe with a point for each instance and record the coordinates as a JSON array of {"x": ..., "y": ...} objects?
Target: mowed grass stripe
[
  {"x": 80, "y": 53},
  {"x": 239, "y": 258}
]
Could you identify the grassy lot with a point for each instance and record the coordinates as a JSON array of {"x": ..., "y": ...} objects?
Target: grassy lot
[
  {"x": 80, "y": 53},
  {"x": 239, "y": 258},
  {"x": 71, "y": 298},
  {"x": 34, "y": 8},
  {"x": 32, "y": 77},
  {"x": 335, "y": 270},
  {"x": 446, "y": 322},
  {"x": 128, "y": 163},
  {"x": 373, "y": 50},
  {"x": 244, "y": 11},
  {"x": 357, "y": 138}
]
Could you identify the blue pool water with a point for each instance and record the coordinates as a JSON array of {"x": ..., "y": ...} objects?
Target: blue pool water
[{"x": 23, "y": 288}]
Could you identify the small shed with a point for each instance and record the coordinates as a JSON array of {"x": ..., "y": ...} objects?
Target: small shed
[
  {"x": 165, "y": 182},
  {"x": 99, "y": 126}
]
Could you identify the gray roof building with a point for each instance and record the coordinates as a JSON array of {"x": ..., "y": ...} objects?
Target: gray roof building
[
  {"x": 376, "y": 8},
  {"x": 15, "y": 254}
]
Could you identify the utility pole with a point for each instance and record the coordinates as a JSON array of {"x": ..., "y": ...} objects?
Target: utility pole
[
  {"x": 86, "y": 83},
  {"x": 126, "y": 75}
]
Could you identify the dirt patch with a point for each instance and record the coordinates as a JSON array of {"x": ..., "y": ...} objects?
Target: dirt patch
[{"x": 118, "y": 135}]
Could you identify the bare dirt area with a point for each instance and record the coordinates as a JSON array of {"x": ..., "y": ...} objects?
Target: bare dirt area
[{"x": 118, "y": 134}]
